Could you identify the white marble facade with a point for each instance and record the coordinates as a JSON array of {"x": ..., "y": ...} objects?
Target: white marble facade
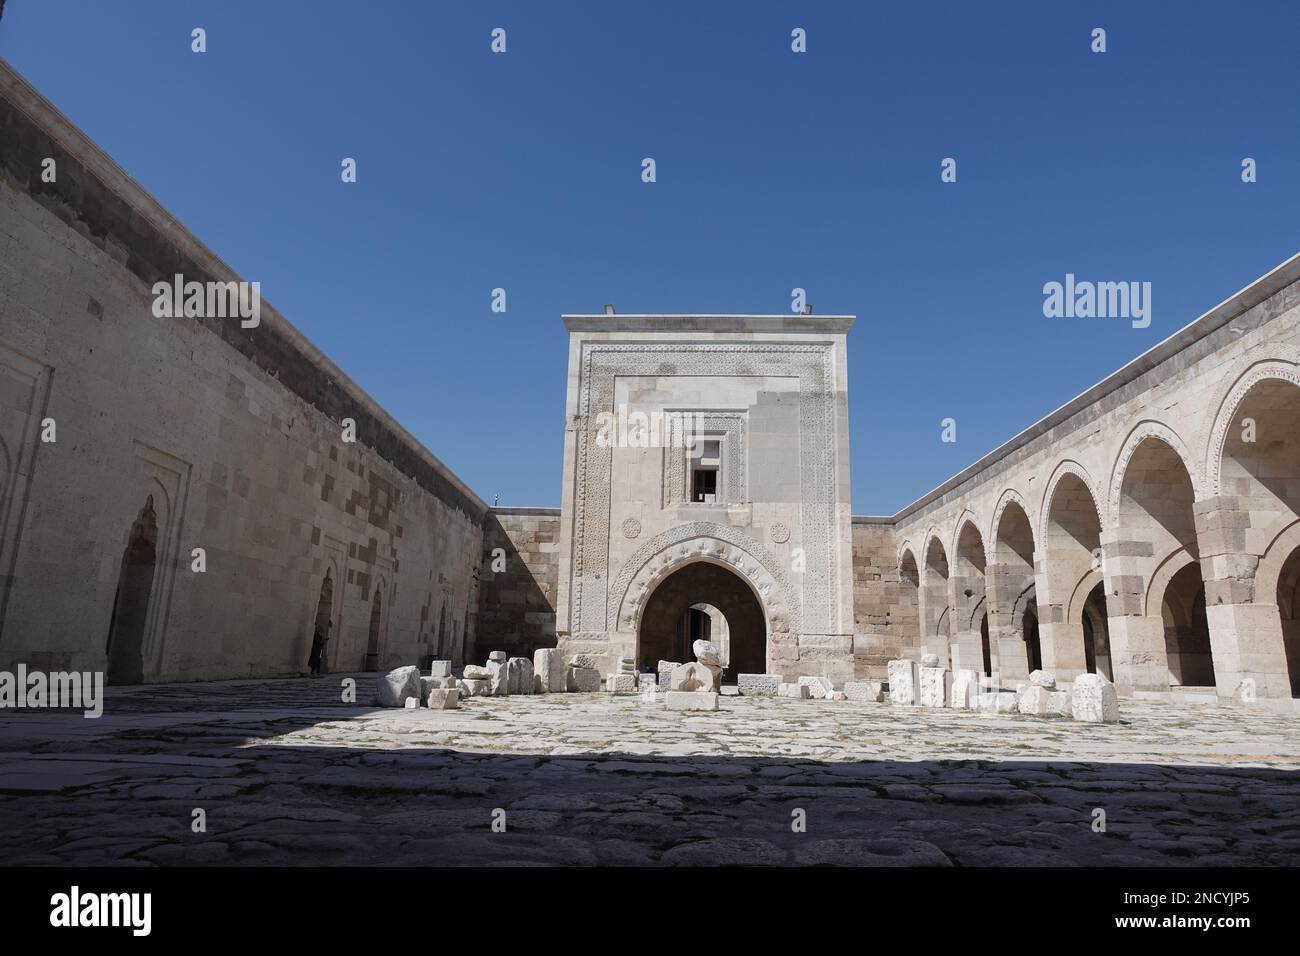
[{"x": 761, "y": 401}]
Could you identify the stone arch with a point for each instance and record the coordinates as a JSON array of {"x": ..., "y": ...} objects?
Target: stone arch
[
  {"x": 705, "y": 540},
  {"x": 1153, "y": 537},
  {"x": 701, "y": 582},
  {"x": 1186, "y": 628},
  {"x": 1010, "y": 575},
  {"x": 967, "y": 575},
  {"x": 1269, "y": 572},
  {"x": 1277, "y": 583},
  {"x": 935, "y": 610},
  {"x": 1272, "y": 369},
  {"x": 967, "y": 517},
  {"x": 323, "y": 610},
  {"x": 1063, "y": 470},
  {"x": 1162, "y": 575},
  {"x": 134, "y": 599},
  {"x": 909, "y": 598},
  {"x": 1069, "y": 552},
  {"x": 1141, "y": 432},
  {"x": 1008, "y": 497},
  {"x": 1256, "y": 468},
  {"x": 1150, "y": 498},
  {"x": 1085, "y": 587},
  {"x": 380, "y": 612}
]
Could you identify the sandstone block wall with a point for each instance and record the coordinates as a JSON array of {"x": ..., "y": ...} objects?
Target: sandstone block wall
[
  {"x": 884, "y": 619},
  {"x": 204, "y": 433},
  {"x": 516, "y": 611}
]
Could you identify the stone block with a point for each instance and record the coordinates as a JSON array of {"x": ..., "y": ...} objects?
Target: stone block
[
  {"x": 997, "y": 702},
  {"x": 410, "y": 703},
  {"x": 583, "y": 680},
  {"x": 1034, "y": 700},
  {"x": 1060, "y": 704},
  {"x": 934, "y": 686},
  {"x": 500, "y": 677},
  {"x": 499, "y": 657},
  {"x": 903, "y": 682},
  {"x": 621, "y": 683},
  {"x": 440, "y": 668},
  {"x": 929, "y": 660},
  {"x": 549, "y": 670},
  {"x": 865, "y": 690},
  {"x": 519, "y": 675},
  {"x": 474, "y": 688},
  {"x": 582, "y": 661},
  {"x": 965, "y": 688},
  {"x": 398, "y": 686},
  {"x": 692, "y": 677},
  {"x": 706, "y": 653},
  {"x": 474, "y": 672},
  {"x": 1043, "y": 679},
  {"x": 443, "y": 699},
  {"x": 819, "y": 688},
  {"x": 1093, "y": 699},
  {"x": 795, "y": 691},
  {"x": 758, "y": 685},
  {"x": 837, "y": 695},
  {"x": 691, "y": 700}
]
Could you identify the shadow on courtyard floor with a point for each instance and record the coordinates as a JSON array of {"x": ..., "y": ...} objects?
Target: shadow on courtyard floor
[{"x": 125, "y": 791}]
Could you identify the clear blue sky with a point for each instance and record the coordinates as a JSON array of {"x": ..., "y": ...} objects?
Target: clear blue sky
[{"x": 775, "y": 170}]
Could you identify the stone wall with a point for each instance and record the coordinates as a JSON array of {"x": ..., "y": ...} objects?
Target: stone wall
[
  {"x": 175, "y": 434},
  {"x": 884, "y": 611},
  {"x": 517, "y": 581},
  {"x": 1172, "y": 483}
]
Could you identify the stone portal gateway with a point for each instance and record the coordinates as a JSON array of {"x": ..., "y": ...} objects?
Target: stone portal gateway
[
  {"x": 660, "y": 635},
  {"x": 721, "y": 440}
]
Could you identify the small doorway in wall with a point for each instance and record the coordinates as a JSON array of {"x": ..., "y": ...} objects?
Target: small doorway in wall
[
  {"x": 131, "y": 602},
  {"x": 372, "y": 642},
  {"x": 985, "y": 646},
  {"x": 1096, "y": 633},
  {"x": 1029, "y": 628}
]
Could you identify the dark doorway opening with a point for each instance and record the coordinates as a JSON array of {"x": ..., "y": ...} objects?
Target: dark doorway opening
[
  {"x": 670, "y": 620},
  {"x": 1029, "y": 628},
  {"x": 985, "y": 646},
  {"x": 126, "y": 627},
  {"x": 372, "y": 643}
]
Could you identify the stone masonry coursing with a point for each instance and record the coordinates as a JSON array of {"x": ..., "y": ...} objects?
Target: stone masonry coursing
[
  {"x": 203, "y": 435},
  {"x": 1171, "y": 490},
  {"x": 1148, "y": 530},
  {"x": 884, "y": 621},
  {"x": 517, "y": 581}
]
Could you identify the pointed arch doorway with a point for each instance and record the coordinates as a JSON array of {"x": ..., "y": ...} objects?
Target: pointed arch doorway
[
  {"x": 126, "y": 628},
  {"x": 671, "y": 619}
]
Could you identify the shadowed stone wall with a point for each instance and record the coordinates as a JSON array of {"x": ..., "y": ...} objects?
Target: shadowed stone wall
[
  {"x": 517, "y": 604},
  {"x": 181, "y": 433},
  {"x": 884, "y": 616}
]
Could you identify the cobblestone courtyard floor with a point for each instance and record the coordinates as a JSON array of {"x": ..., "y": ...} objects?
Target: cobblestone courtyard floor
[{"x": 288, "y": 775}]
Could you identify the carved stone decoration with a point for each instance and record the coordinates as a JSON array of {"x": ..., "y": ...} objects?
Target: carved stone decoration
[
  {"x": 728, "y": 426},
  {"x": 631, "y": 528},
  {"x": 1144, "y": 430},
  {"x": 779, "y": 533},
  {"x": 646, "y": 568},
  {"x": 1269, "y": 370},
  {"x": 593, "y": 599}
]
